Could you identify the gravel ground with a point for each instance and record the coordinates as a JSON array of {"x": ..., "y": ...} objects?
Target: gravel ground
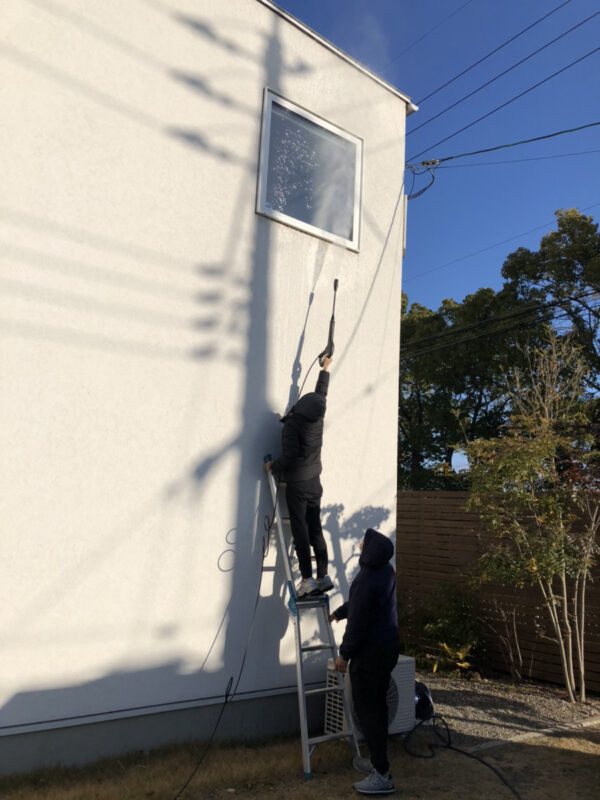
[{"x": 480, "y": 713}]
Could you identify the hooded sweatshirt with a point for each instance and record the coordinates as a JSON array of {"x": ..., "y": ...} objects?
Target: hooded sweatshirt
[
  {"x": 371, "y": 608},
  {"x": 302, "y": 436}
]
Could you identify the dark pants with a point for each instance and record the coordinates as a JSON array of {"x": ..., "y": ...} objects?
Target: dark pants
[
  {"x": 304, "y": 507},
  {"x": 370, "y": 675}
]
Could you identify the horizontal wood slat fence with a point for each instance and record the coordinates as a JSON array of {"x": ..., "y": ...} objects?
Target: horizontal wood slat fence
[{"x": 438, "y": 542}]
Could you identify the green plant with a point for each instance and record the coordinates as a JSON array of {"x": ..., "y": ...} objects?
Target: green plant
[
  {"x": 450, "y": 658},
  {"x": 536, "y": 489},
  {"x": 443, "y": 628}
]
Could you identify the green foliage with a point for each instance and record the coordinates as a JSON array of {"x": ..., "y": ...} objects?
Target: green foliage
[
  {"x": 522, "y": 482},
  {"x": 443, "y": 629},
  {"x": 565, "y": 272},
  {"x": 537, "y": 489},
  {"x": 449, "y": 658},
  {"x": 454, "y": 361},
  {"x": 452, "y": 382}
]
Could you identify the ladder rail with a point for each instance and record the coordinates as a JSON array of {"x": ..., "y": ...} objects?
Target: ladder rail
[
  {"x": 278, "y": 522},
  {"x": 296, "y": 607}
]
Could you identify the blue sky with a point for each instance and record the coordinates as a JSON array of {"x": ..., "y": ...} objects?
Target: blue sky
[{"x": 463, "y": 227}]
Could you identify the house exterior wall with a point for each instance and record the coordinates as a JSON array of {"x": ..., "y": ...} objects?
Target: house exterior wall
[{"x": 152, "y": 329}]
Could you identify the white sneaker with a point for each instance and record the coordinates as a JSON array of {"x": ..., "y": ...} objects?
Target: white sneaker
[
  {"x": 325, "y": 583},
  {"x": 376, "y": 783},
  {"x": 307, "y": 588}
]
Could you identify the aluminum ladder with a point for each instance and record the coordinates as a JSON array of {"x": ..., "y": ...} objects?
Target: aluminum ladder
[{"x": 297, "y": 608}]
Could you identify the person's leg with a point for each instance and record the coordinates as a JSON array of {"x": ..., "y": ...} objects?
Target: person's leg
[
  {"x": 315, "y": 531},
  {"x": 370, "y": 676},
  {"x": 296, "y": 502}
]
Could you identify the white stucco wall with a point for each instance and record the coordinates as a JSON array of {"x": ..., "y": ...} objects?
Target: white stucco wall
[{"x": 149, "y": 325}]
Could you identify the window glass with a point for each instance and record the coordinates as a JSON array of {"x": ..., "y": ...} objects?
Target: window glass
[{"x": 309, "y": 173}]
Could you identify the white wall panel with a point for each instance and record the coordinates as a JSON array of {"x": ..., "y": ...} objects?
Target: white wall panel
[{"x": 152, "y": 326}]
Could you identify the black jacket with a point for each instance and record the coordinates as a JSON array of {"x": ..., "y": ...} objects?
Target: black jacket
[
  {"x": 371, "y": 608},
  {"x": 302, "y": 436}
]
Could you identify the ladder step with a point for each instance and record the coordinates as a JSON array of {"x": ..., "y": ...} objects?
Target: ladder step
[
  {"x": 310, "y": 648},
  {"x": 312, "y": 602},
  {"x": 324, "y": 690},
  {"x": 328, "y": 737}
]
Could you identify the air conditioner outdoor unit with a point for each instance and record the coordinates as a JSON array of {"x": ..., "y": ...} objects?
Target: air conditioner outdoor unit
[{"x": 400, "y": 699}]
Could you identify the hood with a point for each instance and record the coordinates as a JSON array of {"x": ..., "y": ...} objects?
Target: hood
[
  {"x": 311, "y": 406},
  {"x": 377, "y": 550}
]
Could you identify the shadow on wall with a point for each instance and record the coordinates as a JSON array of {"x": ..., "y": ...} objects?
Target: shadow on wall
[
  {"x": 258, "y": 644},
  {"x": 252, "y": 625}
]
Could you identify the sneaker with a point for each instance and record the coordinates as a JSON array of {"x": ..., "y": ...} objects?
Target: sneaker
[
  {"x": 376, "y": 784},
  {"x": 362, "y": 764},
  {"x": 325, "y": 583},
  {"x": 306, "y": 588}
]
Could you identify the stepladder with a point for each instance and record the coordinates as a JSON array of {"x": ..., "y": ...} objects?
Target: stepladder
[{"x": 303, "y": 612}]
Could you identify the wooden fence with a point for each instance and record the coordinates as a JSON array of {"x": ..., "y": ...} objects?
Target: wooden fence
[{"x": 439, "y": 543}]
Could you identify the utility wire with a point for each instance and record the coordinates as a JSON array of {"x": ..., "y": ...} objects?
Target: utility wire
[
  {"x": 503, "y": 73},
  {"x": 507, "y": 315},
  {"x": 431, "y": 30},
  {"x": 436, "y": 161},
  {"x": 490, "y": 247},
  {"x": 493, "y": 52},
  {"x": 517, "y": 324},
  {"x": 508, "y": 102},
  {"x": 520, "y": 160},
  {"x": 432, "y": 164}
]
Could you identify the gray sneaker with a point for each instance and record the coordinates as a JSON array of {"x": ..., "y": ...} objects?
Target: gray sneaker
[
  {"x": 362, "y": 764},
  {"x": 325, "y": 583},
  {"x": 307, "y": 588},
  {"x": 376, "y": 783}
]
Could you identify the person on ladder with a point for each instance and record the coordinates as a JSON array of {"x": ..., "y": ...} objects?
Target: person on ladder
[
  {"x": 300, "y": 466},
  {"x": 371, "y": 645}
]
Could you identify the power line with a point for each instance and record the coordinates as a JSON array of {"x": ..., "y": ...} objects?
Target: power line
[
  {"x": 520, "y": 160},
  {"x": 501, "y": 329},
  {"x": 431, "y": 30},
  {"x": 511, "y": 316},
  {"x": 508, "y": 102},
  {"x": 503, "y": 73},
  {"x": 493, "y": 52},
  {"x": 490, "y": 247},
  {"x": 436, "y": 161}
]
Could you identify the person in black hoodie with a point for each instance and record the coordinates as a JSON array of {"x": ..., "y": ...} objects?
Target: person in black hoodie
[
  {"x": 371, "y": 645},
  {"x": 300, "y": 466}
]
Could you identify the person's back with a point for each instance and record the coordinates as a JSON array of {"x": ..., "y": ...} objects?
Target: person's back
[
  {"x": 302, "y": 438},
  {"x": 300, "y": 467},
  {"x": 371, "y": 646}
]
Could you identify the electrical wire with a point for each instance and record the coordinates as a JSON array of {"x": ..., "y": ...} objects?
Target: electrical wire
[
  {"x": 519, "y": 324},
  {"x": 436, "y": 161},
  {"x": 486, "y": 249},
  {"x": 519, "y": 160},
  {"x": 515, "y": 312},
  {"x": 508, "y": 102},
  {"x": 229, "y": 694},
  {"x": 430, "y": 31},
  {"x": 502, "y": 74},
  {"x": 491, "y": 53},
  {"x": 446, "y": 743},
  {"x": 417, "y": 171}
]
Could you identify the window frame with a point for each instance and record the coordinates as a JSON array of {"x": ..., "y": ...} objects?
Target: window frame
[{"x": 269, "y": 98}]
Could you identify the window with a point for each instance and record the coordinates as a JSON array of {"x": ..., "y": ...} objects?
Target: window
[{"x": 309, "y": 173}]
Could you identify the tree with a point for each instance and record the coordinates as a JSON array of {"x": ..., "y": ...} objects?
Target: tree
[
  {"x": 452, "y": 369},
  {"x": 564, "y": 276},
  {"x": 537, "y": 487}
]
